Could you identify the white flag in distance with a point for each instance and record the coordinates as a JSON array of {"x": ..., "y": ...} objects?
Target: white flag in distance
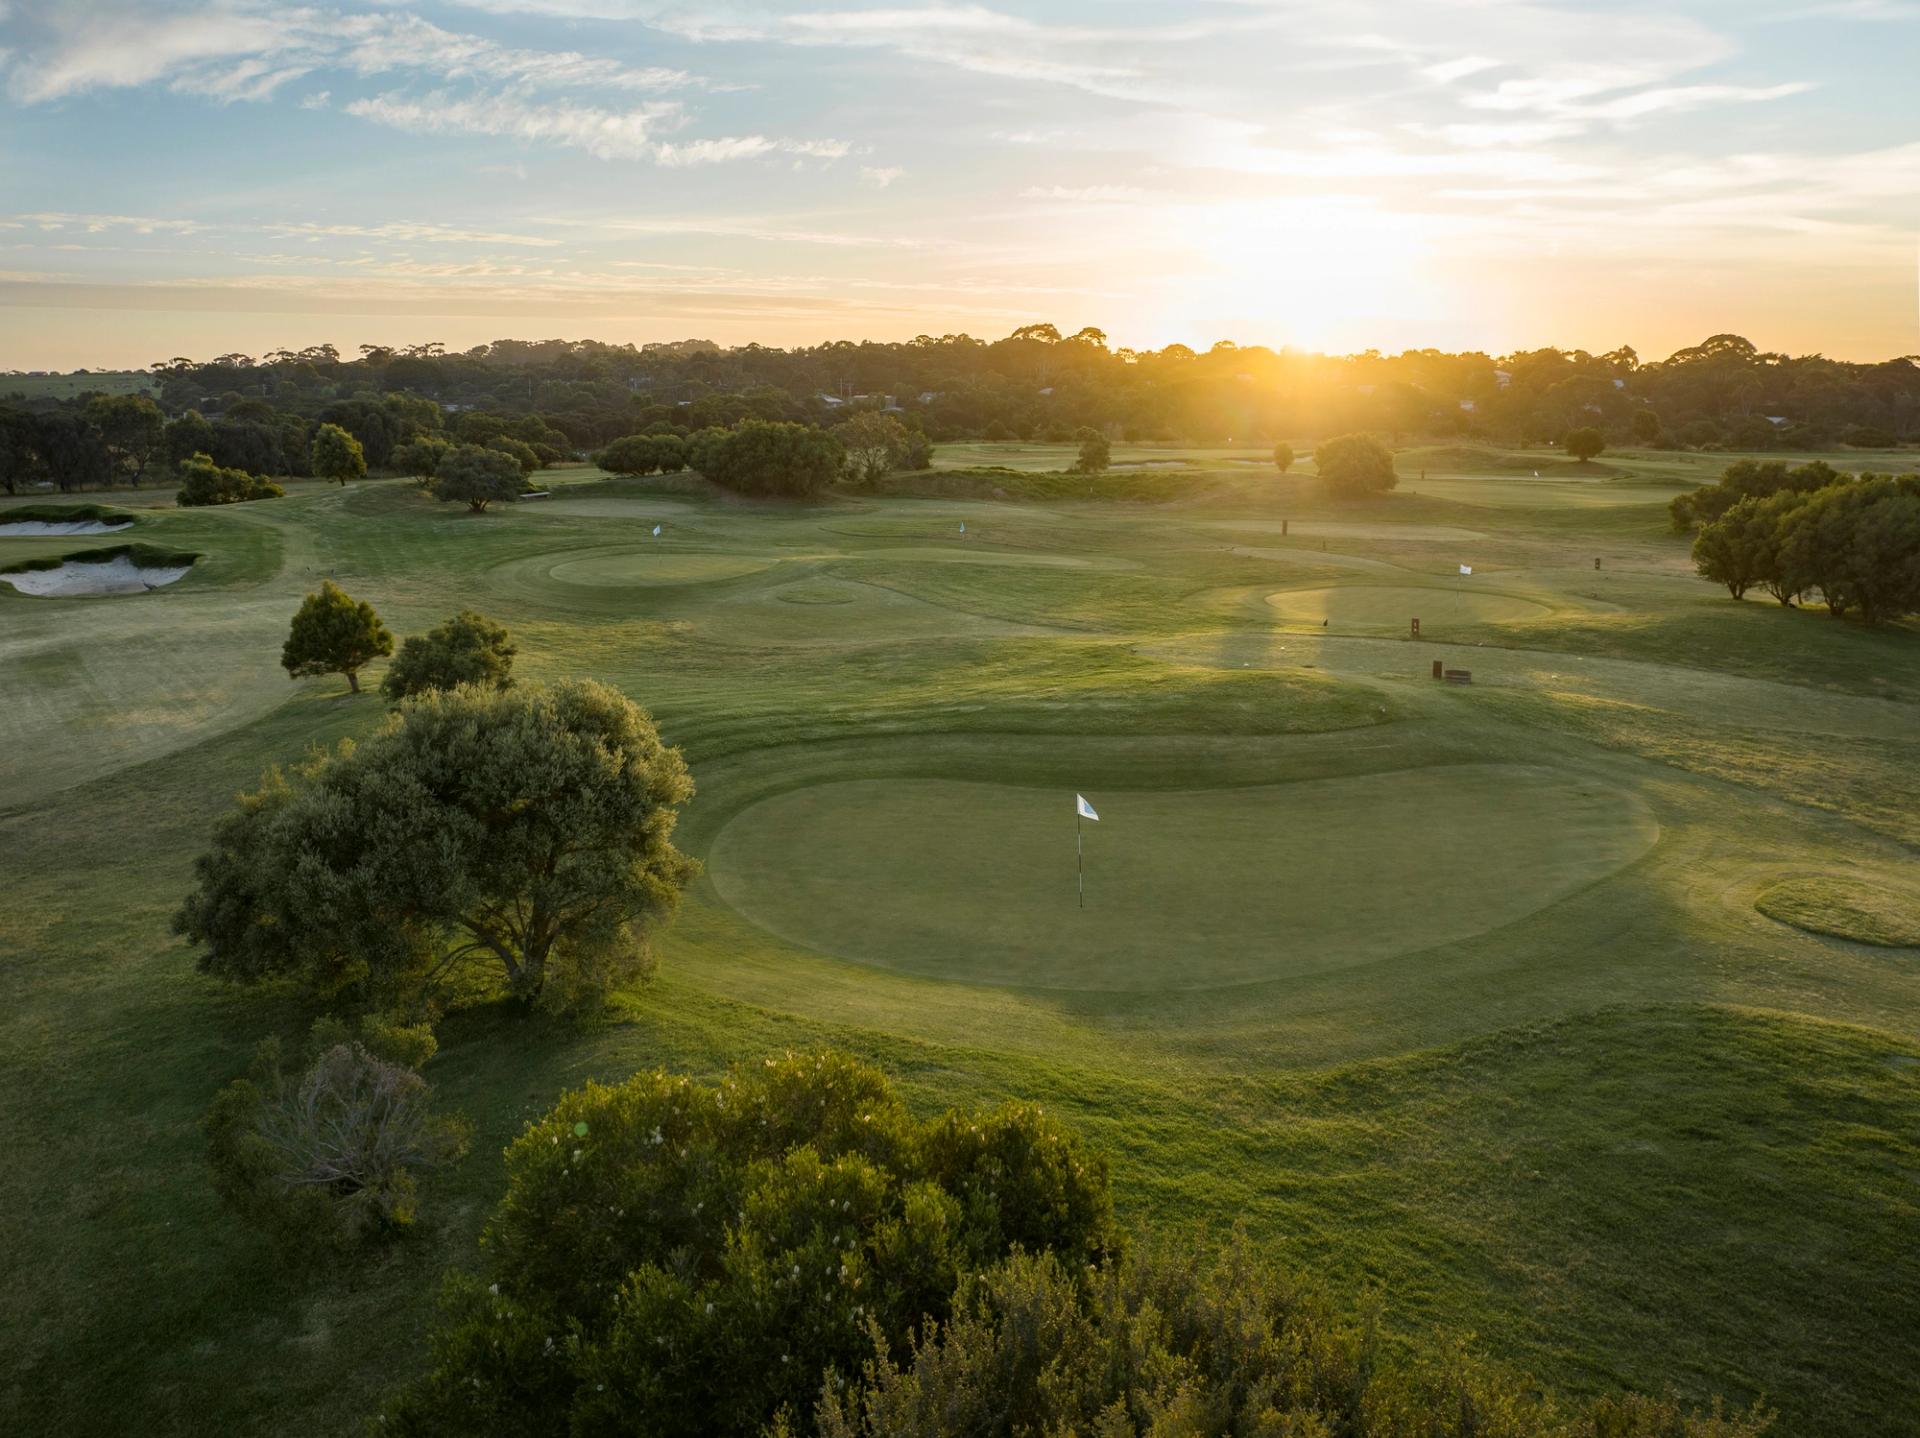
[
  {"x": 1466, "y": 569},
  {"x": 656, "y": 531},
  {"x": 1083, "y": 808}
]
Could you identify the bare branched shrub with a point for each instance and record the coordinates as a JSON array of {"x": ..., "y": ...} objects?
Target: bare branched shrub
[{"x": 333, "y": 1154}]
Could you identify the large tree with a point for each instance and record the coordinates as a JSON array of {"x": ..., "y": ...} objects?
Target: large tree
[
  {"x": 467, "y": 649},
  {"x": 1355, "y": 465},
  {"x": 769, "y": 458},
  {"x": 1283, "y": 457},
  {"x": 337, "y": 455},
  {"x": 1095, "y": 452},
  {"x": 475, "y": 476},
  {"x": 1585, "y": 442},
  {"x": 528, "y": 830},
  {"x": 133, "y": 429},
  {"x": 72, "y": 451},
  {"x": 876, "y": 446},
  {"x": 334, "y": 633}
]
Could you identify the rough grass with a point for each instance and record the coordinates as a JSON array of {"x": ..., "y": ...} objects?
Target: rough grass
[{"x": 1867, "y": 912}]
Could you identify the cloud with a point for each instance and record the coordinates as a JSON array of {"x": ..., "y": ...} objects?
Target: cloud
[
  {"x": 880, "y": 176},
  {"x": 631, "y": 134},
  {"x": 243, "y": 52}
]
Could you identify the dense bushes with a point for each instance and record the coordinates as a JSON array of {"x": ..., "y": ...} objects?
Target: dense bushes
[
  {"x": 204, "y": 482},
  {"x": 1856, "y": 543},
  {"x": 467, "y": 649},
  {"x": 1355, "y": 465},
  {"x": 774, "y": 459},
  {"x": 330, "y": 1156},
  {"x": 1178, "y": 1341},
  {"x": 639, "y": 454},
  {"x": 672, "y": 1258}
]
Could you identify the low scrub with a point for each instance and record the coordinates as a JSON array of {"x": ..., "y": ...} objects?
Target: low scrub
[
  {"x": 64, "y": 514},
  {"x": 331, "y": 1156}
]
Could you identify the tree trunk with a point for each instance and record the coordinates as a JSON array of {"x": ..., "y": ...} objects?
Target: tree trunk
[{"x": 353, "y": 680}]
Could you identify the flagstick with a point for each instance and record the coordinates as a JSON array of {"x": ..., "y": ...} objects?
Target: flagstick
[{"x": 1079, "y": 857}]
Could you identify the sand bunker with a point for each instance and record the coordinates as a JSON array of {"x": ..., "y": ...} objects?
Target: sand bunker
[
  {"x": 119, "y": 575},
  {"x": 36, "y": 528}
]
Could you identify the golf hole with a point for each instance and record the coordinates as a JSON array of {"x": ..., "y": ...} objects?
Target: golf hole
[{"x": 975, "y": 883}]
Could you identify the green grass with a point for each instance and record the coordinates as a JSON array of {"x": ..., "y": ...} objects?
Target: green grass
[
  {"x": 1881, "y": 911},
  {"x": 1457, "y": 993}
]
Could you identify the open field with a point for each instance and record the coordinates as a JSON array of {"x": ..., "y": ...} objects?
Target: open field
[
  {"x": 1488, "y": 997},
  {"x": 68, "y": 386}
]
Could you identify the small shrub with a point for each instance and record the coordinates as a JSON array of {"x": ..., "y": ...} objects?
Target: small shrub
[{"x": 329, "y": 1157}]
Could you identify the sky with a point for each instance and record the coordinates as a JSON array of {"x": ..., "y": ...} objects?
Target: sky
[{"x": 193, "y": 177}]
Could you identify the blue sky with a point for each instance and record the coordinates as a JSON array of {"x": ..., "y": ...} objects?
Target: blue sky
[{"x": 184, "y": 177}]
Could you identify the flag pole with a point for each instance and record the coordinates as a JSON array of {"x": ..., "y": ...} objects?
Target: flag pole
[{"x": 1079, "y": 856}]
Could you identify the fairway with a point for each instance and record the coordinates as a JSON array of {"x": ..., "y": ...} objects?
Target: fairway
[
  {"x": 1390, "y": 608},
  {"x": 975, "y": 883}
]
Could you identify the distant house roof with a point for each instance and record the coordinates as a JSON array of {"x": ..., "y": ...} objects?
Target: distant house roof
[
  {"x": 1619, "y": 384},
  {"x": 1776, "y": 419}
]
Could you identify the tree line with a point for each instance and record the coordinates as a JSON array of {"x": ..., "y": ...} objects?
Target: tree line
[
  {"x": 572, "y": 397},
  {"x": 1810, "y": 530}
]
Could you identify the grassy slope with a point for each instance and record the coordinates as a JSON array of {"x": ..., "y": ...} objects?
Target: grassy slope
[{"x": 1709, "y": 1188}]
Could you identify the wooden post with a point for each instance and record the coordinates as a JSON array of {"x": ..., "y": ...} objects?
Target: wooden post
[
  {"x": 1283, "y": 529},
  {"x": 1416, "y": 630},
  {"x": 1439, "y": 669}
]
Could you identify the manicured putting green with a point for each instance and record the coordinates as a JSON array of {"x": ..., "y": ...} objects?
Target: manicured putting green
[
  {"x": 1389, "y": 607},
  {"x": 624, "y": 568},
  {"x": 1879, "y": 911},
  {"x": 1190, "y": 889}
]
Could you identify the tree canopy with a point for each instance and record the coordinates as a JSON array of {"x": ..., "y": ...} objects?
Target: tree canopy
[
  {"x": 1355, "y": 465},
  {"x": 713, "y": 1249},
  {"x": 203, "y": 482},
  {"x": 1095, "y": 451},
  {"x": 526, "y": 830},
  {"x": 473, "y": 475},
  {"x": 333, "y": 633},
  {"x": 1585, "y": 442},
  {"x": 337, "y": 455},
  {"x": 466, "y": 649},
  {"x": 774, "y": 459}
]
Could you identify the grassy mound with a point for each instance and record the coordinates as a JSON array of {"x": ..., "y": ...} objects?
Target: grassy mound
[
  {"x": 1846, "y": 908},
  {"x": 141, "y": 556},
  {"x": 63, "y": 514}
]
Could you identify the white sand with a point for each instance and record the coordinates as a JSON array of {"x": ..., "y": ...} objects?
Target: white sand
[
  {"x": 118, "y": 575},
  {"x": 29, "y": 528}
]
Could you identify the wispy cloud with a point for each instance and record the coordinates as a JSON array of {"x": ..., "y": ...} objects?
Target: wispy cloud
[{"x": 606, "y": 134}]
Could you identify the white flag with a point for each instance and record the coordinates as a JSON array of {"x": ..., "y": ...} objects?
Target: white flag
[
  {"x": 1083, "y": 808},
  {"x": 656, "y": 531},
  {"x": 1466, "y": 569},
  {"x": 963, "y": 526}
]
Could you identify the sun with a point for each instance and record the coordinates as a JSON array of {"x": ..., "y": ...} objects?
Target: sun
[{"x": 1315, "y": 273}]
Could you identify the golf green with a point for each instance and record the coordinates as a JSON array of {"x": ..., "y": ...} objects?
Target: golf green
[
  {"x": 1389, "y": 607},
  {"x": 621, "y": 568},
  {"x": 1192, "y": 889}
]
